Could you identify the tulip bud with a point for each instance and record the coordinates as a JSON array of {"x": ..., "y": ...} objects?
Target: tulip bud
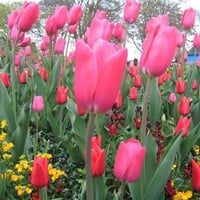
[
  {"x": 74, "y": 15},
  {"x": 39, "y": 174},
  {"x": 188, "y": 18},
  {"x": 172, "y": 97},
  {"x": 22, "y": 77},
  {"x": 133, "y": 94},
  {"x": 195, "y": 176},
  {"x": 184, "y": 106},
  {"x": 60, "y": 46},
  {"x": 180, "y": 86},
  {"x": 4, "y": 78},
  {"x": 61, "y": 94},
  {"x": 38, "y": 103}
]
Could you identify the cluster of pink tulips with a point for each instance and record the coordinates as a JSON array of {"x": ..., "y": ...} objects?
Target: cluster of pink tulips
[{"x": 135, "y": 119}]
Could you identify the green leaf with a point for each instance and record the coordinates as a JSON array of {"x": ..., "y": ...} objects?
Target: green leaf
[
  {"x": 99, "y": 190},
  {"x": 158, "y": 181},
  {"x": 154, "y": 102},
  {"x": 7, "y": 108}
]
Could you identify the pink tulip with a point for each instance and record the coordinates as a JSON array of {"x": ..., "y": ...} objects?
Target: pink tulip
[
  {"x": 61, "y": 14},
  {"x": 28, "y": 16},
  {"x": 196, "y": 41},
  {"x": 184, "y": 106},
  {"x": 99, "y": 28},
  {"x": 131, "y": 11},
  {"x": 194, "y": 85},
  {"x": 188, "y": 18},
  {"x": 28, "y": 51},
  {"x": 4, "y": 78},
  {"x": 25, "y": 42},
  {"x": 38, "y": 103},
  {"x": 129, "y": 160},
  {"x": 99, "y": 73},
  {"x": 72, "y": 28},
  {"x": 74, "y": 15},
  {"x": 156, "y": 21},
  {"x": 180, "y": 39},
  {"x": 51, "y": 26},
  {"x": 12, "y": 18},
  {"x": 172, "y": 97},
  {"x": 133, "y": 94},
  {"x": 60, "y": 46},
  {"x": 156, "y": 55},
  {"x": 119, "y": 31}
]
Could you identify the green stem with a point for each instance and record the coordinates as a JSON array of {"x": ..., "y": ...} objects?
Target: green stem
[
  {"x": 61, "y": 119},
  {"x": 43, "y": 193},
  {"x": 89, "y": 184},
  {"x": 122, "y": 190},
  {"x": 36, "y": 135},
  {"x": 145, "y": 109}
]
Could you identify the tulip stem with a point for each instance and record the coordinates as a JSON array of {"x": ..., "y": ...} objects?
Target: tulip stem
[
  {"x": 36, "y": 135},
  {"x": 122, "y": 190},
  {"x": 43, "y": 193},
  {"x": 61, "y": 119},
  {"x": 145, "y": 109},
  {"x": 89, "y": 184}
]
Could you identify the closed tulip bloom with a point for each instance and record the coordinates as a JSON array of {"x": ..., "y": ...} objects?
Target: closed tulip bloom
[
  {"x": 39, "y": 174},
  {"x": 137, "y": 81},
  {"x": 156, "y": 55},
  {"x": 28, "y": 51},
  {"x": 172, "y": 97},
  {"x": 74, "y": 15},
  {"x": 195, "y": 176},
  {"x": 188, "y": 18},
  {"x": 183, "y": 125},
  {"x": 119, "y": 31},
  {"x": 103, "y": 66},
  {"x": 4, "y": 78},
  {"x": 38, "y": 103},
  {"x": 157, "y": 21},
  {"x": 43, "y": 73},
  {"x": 51, "y": 26},
  {"x": 184, "y": 106},
  {"x": 72, "y": 28},
  {"x": 194, "y": 85},
  {"x": 12, "y": 18},
  {"x": 99, "y": 29},
  {"x": 118, "y": 100},
  {"x": 61, "y": 94},
  {"x": 61, "y": 14},
  {"x": 180, "y": 86},
  {"x": 28, "y": 16},
  {"x": 60, "y": 46},
  {"x": 25, "y": 42},
  {"x": 180, "y": 39},
  {"x": 22, "y": 77},
  {"x": 133, "y": 70},
  {"x": 97, "y": 156},
  {"x": 131, "y": 11},
  {"x": 196, "y": 40},
  {"x": 129, "y": 160},
  {"x": 133, "y": 94}
]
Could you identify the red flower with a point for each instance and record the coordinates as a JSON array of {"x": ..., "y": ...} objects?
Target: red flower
[
  {"x": 180, "y": 86},
  {"x": 137, "y": 82},
  {"x": 133, "y": 94},
  {"x": 112, "y": 129},
  {"x": 194, "y": 85},
  {"x": 61, "y": 94},
  {"x": 39, "y": 174},
  {"x": 5, "y": 79},
  {"x": 43, "y": 73},
  {"x": 183, "y": 125},
  {"x": 97, "y": 156},
  {"x": 22, "y": 77},
  {"x": 129, "y": 160},
  {"x": 195, "y": 176},
  {"x": 184, "y": 106}
]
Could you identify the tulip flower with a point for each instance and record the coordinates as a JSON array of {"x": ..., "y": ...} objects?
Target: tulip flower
[
  {"x": 131, "y": 11},
  {"x": 194, "y": 85},
  {"x": 28, "y": 16},
  {"x": 50, "y": 26},
  {"x": 38, "y": 103},
  {"x": 157, "y": 21},
  {"x": 195, "y": 175},
  {"x": 180, "y": 86},
  {"x": 72, "y": 28},
  {"x": 113, "y": 129},
  {"x": 60, "y": 46},
  {"x": 99, "y": 28},
  {"x": 22, "y": 77},
  {"x": 39, "y": 174},
  {"x": 12, "y": 18},
  {"x": 119, "y": 31},
  {"x": 172, "y": 97},
  {"x": 156, "y": 55},
  {"x": 180, "y": 39},
  {"x": 74, "y": 15},
  {"x": 129, "y": 160},
  {"x": 137, "y": 81},
  {"x": 4, "y": 78},
  {"x": 118, "y": 100},
  {"x": 28, "y": 51},
  {"x": 61, "y": 14},
  {"x": 183, "y": 125},
  {"x": 61, "y": 94},
  {"x": 97, "y": 156},
  {"x": 184, "y": 106},
  {"x": 188, "y": 18},
  {"x": 133, "y": 70},
  {"x": 43, "y": 73},
  {"x": 133, "y": 94},
  {"x": 196, "y": 40},
  {"x": 103, "y": 66},
  {"x": 179, "y": 71}
]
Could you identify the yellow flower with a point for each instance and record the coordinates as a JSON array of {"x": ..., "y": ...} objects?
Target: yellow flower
[
  {"x": 55, "y": 173},
  {"x": 183, "y": 195},
  {"x": 174, "y": 166},
  {"x": 18, "y": 167},
  {"x": 6, "y": 146},
  {"x": 3, "y": 123},
  {"x": 7, "y": 156},
  {"x": 14, "y": 178},
  {"x": 28, "y": 190},
  {"x": 3, "y": 136},
  {"x": 19, "y": 190},
  {"x": 45, "y": 155},
  {"x": 196, "y": 150}
]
